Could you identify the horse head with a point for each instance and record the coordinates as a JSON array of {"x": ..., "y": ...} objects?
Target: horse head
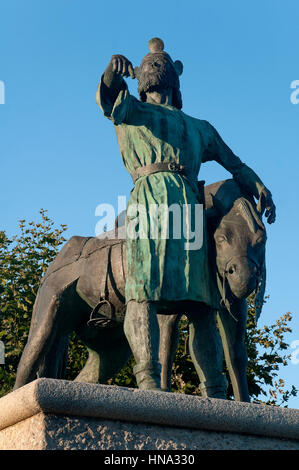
[{"x": 240, "y": 241}]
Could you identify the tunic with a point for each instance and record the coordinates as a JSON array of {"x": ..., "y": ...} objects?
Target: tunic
[{"x": 163, "y": 268}]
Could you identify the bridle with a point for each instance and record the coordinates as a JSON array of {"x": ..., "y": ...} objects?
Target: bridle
[{"x": 222, "y": 280}]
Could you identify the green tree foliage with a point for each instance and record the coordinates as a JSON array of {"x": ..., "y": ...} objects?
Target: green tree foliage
[
  {"x": 23, "y": 261},
  {"x": 267, "y": 352}
]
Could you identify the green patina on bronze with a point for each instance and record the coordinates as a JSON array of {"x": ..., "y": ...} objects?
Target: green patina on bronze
[{"x": 149, "y": 133}]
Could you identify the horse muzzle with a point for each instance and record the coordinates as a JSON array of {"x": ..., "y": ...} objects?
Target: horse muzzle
[{"x": 242, "y": 275}]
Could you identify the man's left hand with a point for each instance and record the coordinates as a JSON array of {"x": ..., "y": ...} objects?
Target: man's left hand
[{"x": 266, "y": 202}]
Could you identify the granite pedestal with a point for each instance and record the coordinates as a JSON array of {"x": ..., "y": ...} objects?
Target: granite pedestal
[{"x": 59, "y": 414}]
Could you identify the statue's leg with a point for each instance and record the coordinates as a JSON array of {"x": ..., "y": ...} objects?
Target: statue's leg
[
  {"x": 142, "y": 331},
  {"x": 169, "y": 338},
  {"x": 233, "y": 337},
  {"x": 54, "y": 362},
  {"x": 113, "y": 358},
  {"x": 107, "y": 357},
  {"x": 38, "y": 344},
  {"x": 55, "y": 315},
  {"x": 206, "y": 352},
  {"x": 90, "y": 371}
]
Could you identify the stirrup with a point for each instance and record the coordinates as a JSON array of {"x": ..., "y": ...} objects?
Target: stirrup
[{"x": 104, "y": 320}]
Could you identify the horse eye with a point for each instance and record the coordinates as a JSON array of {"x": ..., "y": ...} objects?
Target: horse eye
[{"x": 221, "y": 239}]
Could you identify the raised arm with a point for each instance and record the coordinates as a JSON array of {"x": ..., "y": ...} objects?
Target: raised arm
[
  {"x": 218, "y": 150},
  {"x": 118, "y": 67}
]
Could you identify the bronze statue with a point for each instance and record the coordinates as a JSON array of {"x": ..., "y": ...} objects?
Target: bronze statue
[
  {"x": 163, "y": 149},
  {"x": 87, "y": 268}
]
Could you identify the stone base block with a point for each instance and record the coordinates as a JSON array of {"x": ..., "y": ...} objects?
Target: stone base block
[{"x": 58, "y": 414}]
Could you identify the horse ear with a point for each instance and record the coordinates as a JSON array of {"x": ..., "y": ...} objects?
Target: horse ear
[
  {"x": 217, "y": 204},
  {"x": 178, "y": 65}
]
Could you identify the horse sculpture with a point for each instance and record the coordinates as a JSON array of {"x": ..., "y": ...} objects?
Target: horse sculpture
[{"x": 84, "y": 287}]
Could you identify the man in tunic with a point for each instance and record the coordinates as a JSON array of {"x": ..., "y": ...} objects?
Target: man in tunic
[{"x": 163, "y": 148}]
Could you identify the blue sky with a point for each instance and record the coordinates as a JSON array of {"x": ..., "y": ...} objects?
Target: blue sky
[{"x": 59, "y": 153}]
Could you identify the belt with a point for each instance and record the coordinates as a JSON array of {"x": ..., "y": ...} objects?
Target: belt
[{"x": 171, "y": 167}]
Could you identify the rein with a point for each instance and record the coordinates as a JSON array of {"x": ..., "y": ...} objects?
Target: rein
[{"x": 222, "y": 284}]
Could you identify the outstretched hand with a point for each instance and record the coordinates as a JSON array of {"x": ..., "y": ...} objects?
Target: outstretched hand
[
  {"x": 266, "y": 203},
  {"x": 122, "y": 66}
]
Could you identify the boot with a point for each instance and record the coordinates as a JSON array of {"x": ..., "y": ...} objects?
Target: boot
[
  {"x": 142, "y": 331},
  {"x": 216, "y": 388},
  {"x": 148, "y": 375}
]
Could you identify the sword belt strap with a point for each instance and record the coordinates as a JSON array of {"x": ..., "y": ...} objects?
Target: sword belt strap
[{"x": 171, "y": 167}]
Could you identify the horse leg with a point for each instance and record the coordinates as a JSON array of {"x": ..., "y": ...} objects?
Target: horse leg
[
  {"x": 52, "y": 320},
  {"x": 169, "y": 338},
  {"x": 108, "y": 353},
  {"x": 38, "y": 342},
  {"x": 54, "y": 363},
  {"x": 206, "y": 352},
  {"x": 233, "y": 335},
  {"x": 90, "y": 371},
  {"x": 106, "y": 359}
]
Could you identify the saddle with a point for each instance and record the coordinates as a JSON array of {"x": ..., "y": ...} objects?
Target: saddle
[{"x": 104, "y": 314}]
